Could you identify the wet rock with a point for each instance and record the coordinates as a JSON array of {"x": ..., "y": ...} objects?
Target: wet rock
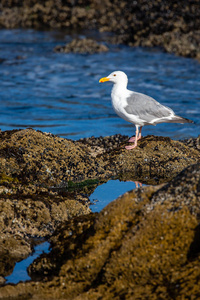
[
  {"x": 193, "y": 142},
  {"x": 83, "y": 46},
  {"x": 101, "y": 145},
  {"x": 126, "y": 251},
  {"x": 46, "y": 180},
  {"x": 25, "y": 218},
  {"x": 2, "y": 280},
  {"x": 78, "y": 231},
  {"x": 183, "y": 190},
  {"x": 38, "y": 161},
  {"x": 33, "y": 162},
  {"x": 13, "y": 248},
  {"x": 183, "y": 44},
  {"x": 153, "y": 160},
  {"x": 28, "y": 208},
  {"x": 31, "y": 216}
]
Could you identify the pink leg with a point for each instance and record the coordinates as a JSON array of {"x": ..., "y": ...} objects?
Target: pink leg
[
  {"x": 140, "y": 134},
  {"x": 136, "y": 139},
  {"x": 138, "y": 184},
  {"x": 132, "y": 139}
]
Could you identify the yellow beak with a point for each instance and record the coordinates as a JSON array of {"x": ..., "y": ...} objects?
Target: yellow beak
[{"x": 104, "y": 79}]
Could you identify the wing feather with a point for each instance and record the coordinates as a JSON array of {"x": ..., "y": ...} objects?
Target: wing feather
[{"x": 146, "y": 108}]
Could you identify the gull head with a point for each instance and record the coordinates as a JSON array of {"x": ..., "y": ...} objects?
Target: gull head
[{"x": 118, "y": 77}]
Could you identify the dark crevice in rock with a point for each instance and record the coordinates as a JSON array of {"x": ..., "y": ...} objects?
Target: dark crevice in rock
[{"x": 194, "y": 250}]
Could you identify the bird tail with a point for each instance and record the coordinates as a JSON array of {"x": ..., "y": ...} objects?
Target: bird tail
[
  {"x": 177, "y": 119},
  {"x": 173, "y": 119}
]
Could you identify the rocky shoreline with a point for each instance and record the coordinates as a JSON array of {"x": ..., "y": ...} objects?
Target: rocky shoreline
[
  {"x": 143, "y": 245},
  {"x": 45, "y": 183},
  {"x": 173, "y": 26},
  {"x": 83, "y": 46}
]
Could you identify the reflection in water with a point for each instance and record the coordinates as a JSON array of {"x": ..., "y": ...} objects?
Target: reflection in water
[
  {"x": 138, "y": 184},
  {"x": 102, "y": 195},
  {"x": 20, "y": 270},
  {"x": 109, "y": 191}
]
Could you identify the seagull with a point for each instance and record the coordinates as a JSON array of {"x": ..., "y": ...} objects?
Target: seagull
[{"x": 138, "y": 108}]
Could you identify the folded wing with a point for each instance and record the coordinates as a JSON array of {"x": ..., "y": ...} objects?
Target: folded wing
[{"x": 151, "y": 111}]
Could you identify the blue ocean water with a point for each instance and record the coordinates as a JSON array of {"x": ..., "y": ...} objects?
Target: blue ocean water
[{"x": 60, "y": 93}]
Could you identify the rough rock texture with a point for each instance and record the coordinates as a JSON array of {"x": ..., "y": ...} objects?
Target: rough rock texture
[
  {"x": 183, "y": 190},
  {"x": 28, "y": 208},
  {"x": 131, "y": 250},
  {"x": 32, "y": 161},
  {"x": 23, "y": 218},
  {"x": 35, "y": 158},
  {"x": 193, "y": 143},
  {"x": 154, "y": 160},
  {"x": 12, "y": 249},
  {"x": 183, "y": 44},
  {"x": 83, "y": 46},
  {"x": 173, "y": 25},
  {"x": 46, "y": 180}
]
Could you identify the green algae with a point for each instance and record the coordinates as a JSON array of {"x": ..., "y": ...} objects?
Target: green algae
[
  {"x": 6, "y": 178},
  {"x": 71, "y": 186}
]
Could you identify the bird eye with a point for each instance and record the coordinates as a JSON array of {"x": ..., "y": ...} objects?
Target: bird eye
[{"x": 114, "y": 75}]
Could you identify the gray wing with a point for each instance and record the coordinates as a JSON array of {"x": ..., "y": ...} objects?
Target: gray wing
[{"x": 146, "y": 108}]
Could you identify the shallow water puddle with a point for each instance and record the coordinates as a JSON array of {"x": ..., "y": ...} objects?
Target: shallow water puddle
[
  {"x": 20, "y": 270},
  {"x": 110, "y": 191},
  {"x": 102, "y": 195}
]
